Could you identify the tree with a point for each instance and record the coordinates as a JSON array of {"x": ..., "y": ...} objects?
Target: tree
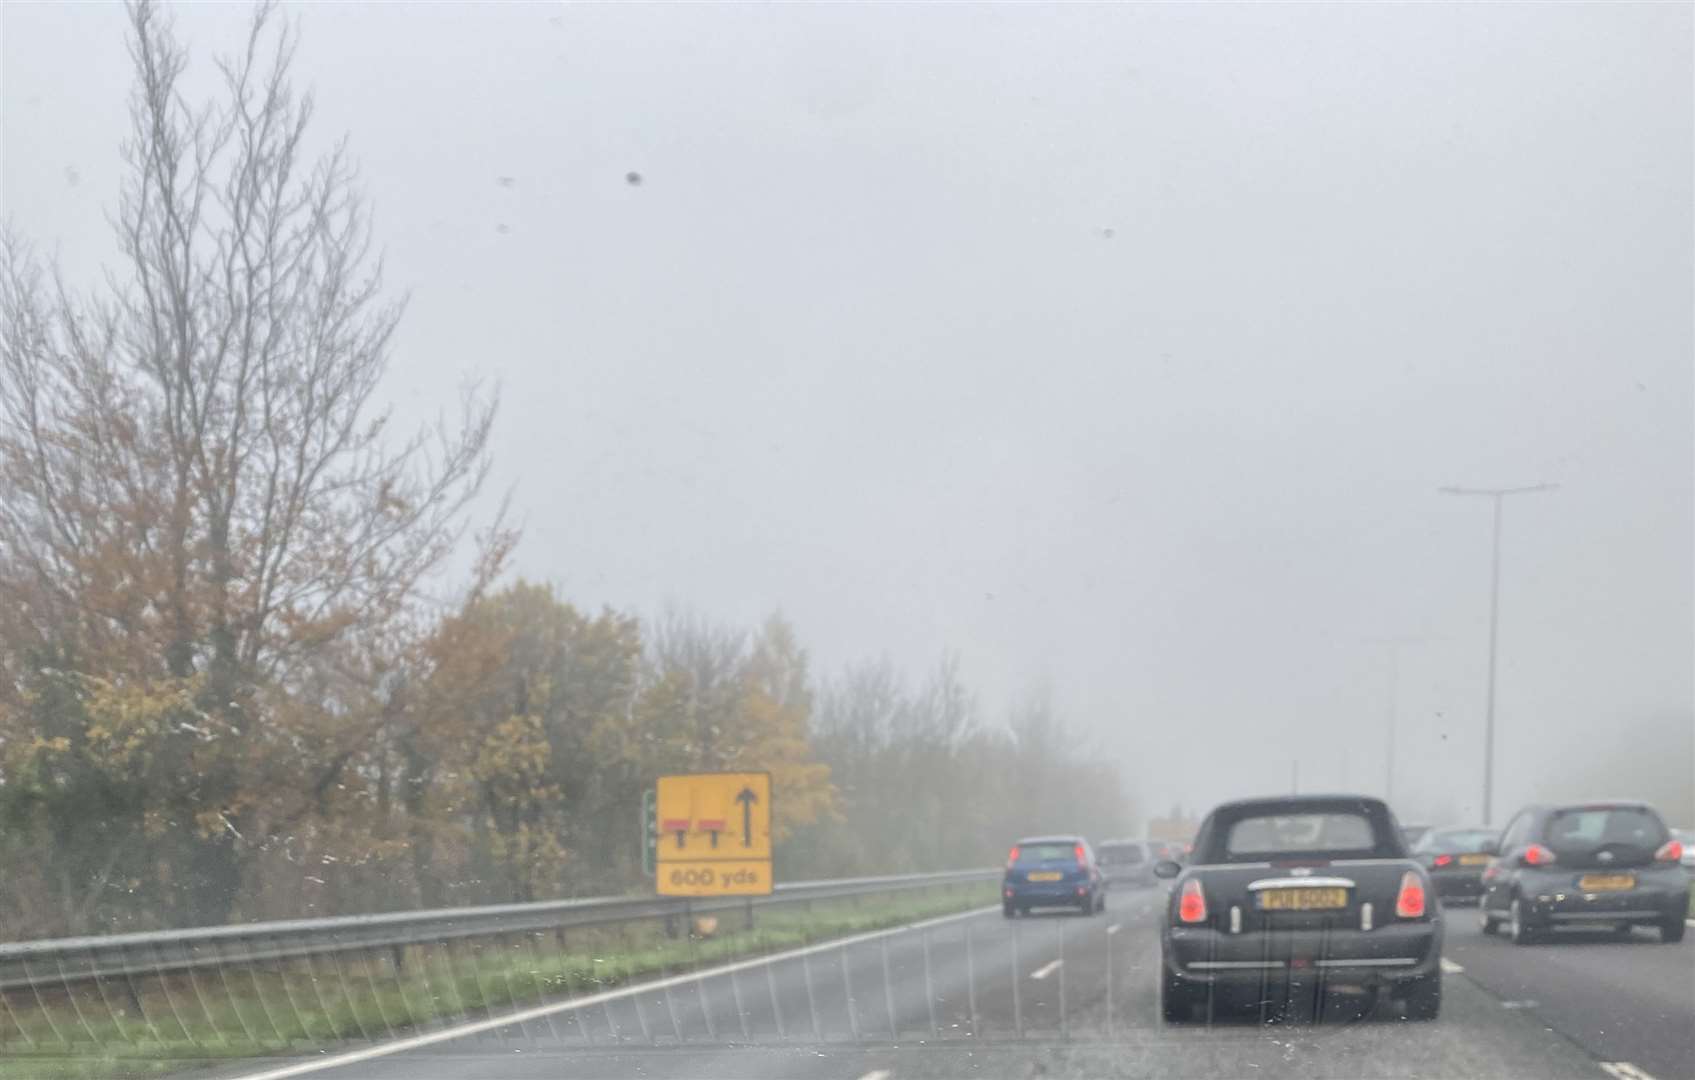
[{"x": 200, "y": 499}]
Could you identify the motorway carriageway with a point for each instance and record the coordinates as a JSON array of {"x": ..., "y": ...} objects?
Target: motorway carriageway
[{"x": 1063, "y": 996}]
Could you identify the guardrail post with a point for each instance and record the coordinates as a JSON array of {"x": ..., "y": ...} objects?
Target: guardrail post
[
  {"x": 398, "y": 952},
  {"x": 748, "y": 925}
]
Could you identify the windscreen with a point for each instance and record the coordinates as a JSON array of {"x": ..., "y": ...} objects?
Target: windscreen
[
  {"x": 1033, "y": 854},
  {"x": 1122, "y": 854},
  {"x": 1457, "y": 842},
  {"x": 1593, "y": 828},
  {"x": 502, "y": 504},
  {"x": 1300, "y": 833}
]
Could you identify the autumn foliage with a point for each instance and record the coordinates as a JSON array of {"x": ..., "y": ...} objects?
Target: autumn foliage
[{"x": 235, "y": 682}]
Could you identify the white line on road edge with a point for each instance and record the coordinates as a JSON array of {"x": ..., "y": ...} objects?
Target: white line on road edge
[
  {"x": 877, "y": 1074},
  {"x": 1451, "y": 968},
  {"x": 536, "y": 1012},
  {"x": 1046, "y": 969},
  {"x": 1113, "y": 929},
  {"x": 1624, "y": 1070}
]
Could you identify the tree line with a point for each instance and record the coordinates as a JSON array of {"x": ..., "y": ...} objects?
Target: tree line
[{"x": 237, "y": 679}]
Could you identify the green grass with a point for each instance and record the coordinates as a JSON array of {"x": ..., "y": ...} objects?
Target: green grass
[{"x": 298, "y": 1005}]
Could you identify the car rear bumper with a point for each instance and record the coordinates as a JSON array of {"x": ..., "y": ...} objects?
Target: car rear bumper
[
  {"x": 1389, "y": 954},
  {"x": 1457, "y": 883},
  {"x": 1044, "y": 895},
  {"x": 1637, "y": 905}
]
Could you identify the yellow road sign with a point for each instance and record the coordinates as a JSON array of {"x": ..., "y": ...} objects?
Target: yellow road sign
[{"x": 714, "y": 834}]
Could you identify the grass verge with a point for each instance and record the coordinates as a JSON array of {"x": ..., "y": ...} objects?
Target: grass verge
[{"x": 166, "y": 1023}]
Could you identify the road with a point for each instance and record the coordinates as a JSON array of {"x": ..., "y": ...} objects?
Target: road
[{"x": 1066, "y": 996}]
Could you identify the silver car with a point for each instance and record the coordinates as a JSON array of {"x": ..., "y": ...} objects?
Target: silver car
[{"x": 1127, "y": 863}]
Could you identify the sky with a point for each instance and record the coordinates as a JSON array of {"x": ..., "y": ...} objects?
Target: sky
[{"x": 1116, "y": 349}]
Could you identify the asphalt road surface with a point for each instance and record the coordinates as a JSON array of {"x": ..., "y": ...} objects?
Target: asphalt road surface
[{"x": 1068, "y": 996}]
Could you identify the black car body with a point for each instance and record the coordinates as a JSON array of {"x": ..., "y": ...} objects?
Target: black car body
[
  {"x": 1127, "y": 863},
  {"x": 1052, "y": 871},
  {"x": 1300, "y": 889},
  {"x": 1594, "y": 865},
  {"x": 1456, "y": 858}
]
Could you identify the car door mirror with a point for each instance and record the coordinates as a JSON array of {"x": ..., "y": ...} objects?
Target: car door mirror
[{"x": 1165, "y": 868}]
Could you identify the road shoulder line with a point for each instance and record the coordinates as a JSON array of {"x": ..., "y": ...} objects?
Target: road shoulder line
[{"x": 537, "y": 1012}]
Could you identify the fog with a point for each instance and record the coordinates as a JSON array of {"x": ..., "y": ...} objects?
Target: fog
[{"x": 1120, "y": 350}]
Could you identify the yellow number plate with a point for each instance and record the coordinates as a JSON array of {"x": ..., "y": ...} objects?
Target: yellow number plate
[
  {"x": 1303, "y": 899},
  {"x": 1044, "y": 875},
  {"x": 1473, "y": 860},
  {"x": 1606, "y": 882}
]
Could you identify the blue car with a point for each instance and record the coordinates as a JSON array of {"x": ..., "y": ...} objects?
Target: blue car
[{"x": 1052, "y": 871}]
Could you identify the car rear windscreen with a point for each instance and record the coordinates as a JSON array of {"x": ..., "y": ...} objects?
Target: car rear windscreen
[
  {"x": 1459, "y": 841},
  {"x": 1588, "y": 828},
  {"x": 1042, "y": 853},
  {"x": 1296, "y": 833},
  {"x": 1121, "y": 854}
]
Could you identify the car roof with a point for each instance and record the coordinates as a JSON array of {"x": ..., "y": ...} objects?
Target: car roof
[
  {"x": 1300, "y": 801},
  {"x": 1591, "y": 804},
  {"x": 1062, "y": 838}
]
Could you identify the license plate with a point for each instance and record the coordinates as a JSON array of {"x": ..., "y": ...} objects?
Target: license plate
[
  {"x": 1606, "y": 882},
  {"x": 1474, "y": 860},
  {"x": 1043, "y": 875},
  {"x": 1303, "y": 899}
]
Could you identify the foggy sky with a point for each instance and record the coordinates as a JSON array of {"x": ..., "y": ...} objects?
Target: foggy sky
[{"x": 1118, "y": 348}]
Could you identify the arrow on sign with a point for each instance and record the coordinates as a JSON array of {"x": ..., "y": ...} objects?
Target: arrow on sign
[{"x": 747, "y": 798}]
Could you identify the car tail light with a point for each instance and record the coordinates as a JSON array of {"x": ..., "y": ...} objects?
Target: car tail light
[
  {"x": 1409, "y": 902},
  {"x": 1078, "y": 851},
  {"x": 1444, "y": 860},
  {"x": 1012, "y": 856},
  {"x": 1537, "y": 855},
  {"x": 1670, "y": 851},
  {"x": 1192, "y": 903}
]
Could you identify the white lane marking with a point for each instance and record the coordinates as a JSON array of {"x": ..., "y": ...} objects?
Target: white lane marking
[
  {"x": 1046, "y": 969},
  {"x": 537, "y": 1012},
  {"x": 1451, "y": 968},
  {"x": 1624, "y": 1070},
  {"x": 1527, "y": 1004},
  {"x": 1691, "y": 922},
  {"x": 877, "y": 1074},
  {"x": 1113, "y": 929}
]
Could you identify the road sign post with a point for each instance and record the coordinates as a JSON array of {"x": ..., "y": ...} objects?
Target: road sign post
[
  {"x": 712, "y": 834},
  {"x": 650, "y": 832}
]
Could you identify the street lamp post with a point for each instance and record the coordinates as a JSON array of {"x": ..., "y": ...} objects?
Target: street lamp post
[
  {"x": 1497, "y": 496},
  {"x": 1393, "y": 646}
]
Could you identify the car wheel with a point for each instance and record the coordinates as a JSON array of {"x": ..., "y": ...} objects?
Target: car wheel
[
  {"x": 1176, "y": 1001},
  {"x": 1671, "y": 931},
  {"x": 1486, "y": 921},
  {"x": 1424, "y": 998},
  {"x": 1008, "y": 910},
  {"x": 1518, "y": 929}
]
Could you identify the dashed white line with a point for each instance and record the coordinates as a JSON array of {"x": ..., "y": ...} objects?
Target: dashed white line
[
  {"x": 1113, "y": 929},
  {"x": 1046, "y": 969},
  {"x": 1624, "y": 1070},
  {"x": 877, "y": 1074},
  {"x": 1451, "y": 968}
]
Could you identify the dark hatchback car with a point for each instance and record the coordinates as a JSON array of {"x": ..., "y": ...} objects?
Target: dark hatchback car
[
  {"x": 1309, "y": 890},
  {"x": 1052, "y": 871},
  {"x": 1456, "y": 859},
  {"x": 1127, "y": 863},
  {"x": 1611, "y": 865}
]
